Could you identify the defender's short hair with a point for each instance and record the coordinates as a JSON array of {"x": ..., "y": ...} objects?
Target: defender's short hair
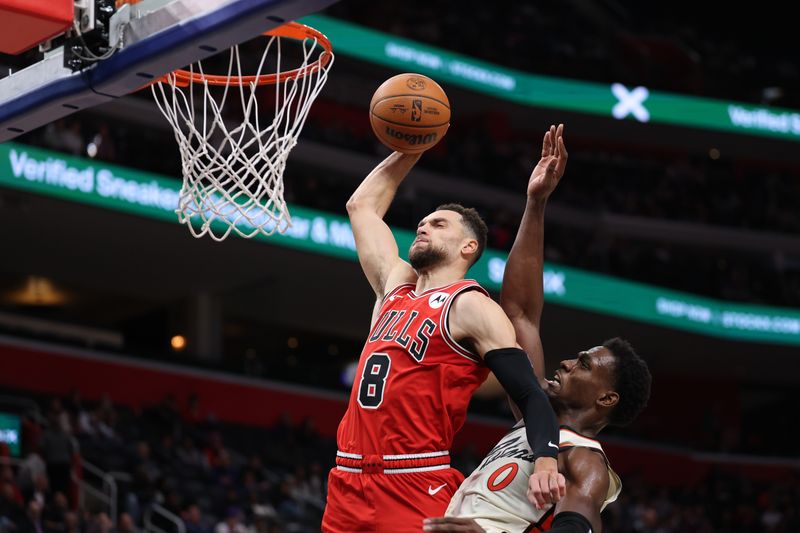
[{"x": 632, "y": 381}]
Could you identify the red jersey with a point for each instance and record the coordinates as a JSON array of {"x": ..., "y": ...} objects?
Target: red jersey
[{"x": 414, "y": 381}]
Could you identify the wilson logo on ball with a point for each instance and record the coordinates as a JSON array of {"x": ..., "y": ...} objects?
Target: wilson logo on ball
[{"x": 412, "y": 139}]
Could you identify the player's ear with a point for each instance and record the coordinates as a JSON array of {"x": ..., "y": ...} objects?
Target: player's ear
[
  {"x": 469, "y": 247},
  {"x": 608, "y": 399}
]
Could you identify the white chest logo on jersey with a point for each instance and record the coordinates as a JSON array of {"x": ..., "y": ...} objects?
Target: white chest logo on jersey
[{"x": 437, "y": 299}]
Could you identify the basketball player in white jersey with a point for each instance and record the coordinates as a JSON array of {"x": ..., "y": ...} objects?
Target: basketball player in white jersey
[{"x": 604, "y": 385}]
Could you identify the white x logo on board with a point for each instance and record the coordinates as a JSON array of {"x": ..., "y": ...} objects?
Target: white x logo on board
[{"x": 630, "y": 102}]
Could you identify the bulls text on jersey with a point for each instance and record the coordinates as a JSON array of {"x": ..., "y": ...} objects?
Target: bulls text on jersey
[{"x": 399, "y": 327}]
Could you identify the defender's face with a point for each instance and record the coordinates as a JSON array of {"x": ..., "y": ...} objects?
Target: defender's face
[{"x": 581, "y": 381}]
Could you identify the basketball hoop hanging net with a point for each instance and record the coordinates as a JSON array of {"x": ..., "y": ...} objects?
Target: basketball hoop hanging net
[{"x": 232, "y": 156}]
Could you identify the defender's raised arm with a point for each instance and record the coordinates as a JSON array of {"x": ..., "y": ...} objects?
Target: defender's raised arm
[{"x": 522, "y": 296}]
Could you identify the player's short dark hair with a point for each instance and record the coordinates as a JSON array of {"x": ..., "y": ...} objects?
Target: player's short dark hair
[
  {"x": 632, "y": 382},
  {"x": 474, "y": 223}
]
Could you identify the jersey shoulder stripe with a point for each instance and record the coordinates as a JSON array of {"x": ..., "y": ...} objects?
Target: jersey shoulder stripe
[{"x": 444, "y": 321}]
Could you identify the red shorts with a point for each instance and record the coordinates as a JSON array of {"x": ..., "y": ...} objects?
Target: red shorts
[{"x": 387, "y": 503}]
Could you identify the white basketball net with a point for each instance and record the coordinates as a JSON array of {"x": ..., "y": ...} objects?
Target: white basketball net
[{"x": 233, "y": 157}]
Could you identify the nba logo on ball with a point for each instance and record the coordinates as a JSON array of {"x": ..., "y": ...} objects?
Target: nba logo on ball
[
  {"x": 426, "y": 120},
  {"x": 416, "y": 110}
]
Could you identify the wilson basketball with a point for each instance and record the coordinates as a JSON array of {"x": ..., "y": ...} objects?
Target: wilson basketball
[{"x": 409, "y": 113}]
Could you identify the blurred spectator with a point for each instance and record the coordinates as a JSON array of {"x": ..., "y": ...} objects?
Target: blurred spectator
[
  {"x": 55, "y": 513},
  {"x": 33, "y": 518},
  {"x": 188, "y": 454},
  {"x": 194, "y": 521},
  {"x": 72, "y": 523},
  {"x": 233, "y": 522},
  {"x": 8, "y": 483},
  {"x": 58, "y": 447},
  {"x": 125, "y": 524},
  {"x": 12, "y": 510},
  {"x": 32, "y": 467},
  {"x": 101, "y": 523},
  {"x": 40, "y": 491}
]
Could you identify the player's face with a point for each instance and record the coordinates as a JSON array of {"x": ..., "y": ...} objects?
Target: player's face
[
  {"x": 440, "y": 236},
  {"x": 580, "y": 382}
]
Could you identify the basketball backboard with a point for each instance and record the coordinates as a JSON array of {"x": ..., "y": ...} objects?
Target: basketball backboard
[{"x": 146, "y": 39}]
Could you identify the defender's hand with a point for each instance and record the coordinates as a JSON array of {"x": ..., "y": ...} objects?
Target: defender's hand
[
  {"x": 546, "y": 485},
  {"x": 450, "y": 523},
  {"x": 548, "y": 171}
]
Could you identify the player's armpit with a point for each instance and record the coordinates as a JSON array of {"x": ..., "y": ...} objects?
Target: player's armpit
[
  {"x": 587, "y": 484},
  {"x": 400, "y": 274}
]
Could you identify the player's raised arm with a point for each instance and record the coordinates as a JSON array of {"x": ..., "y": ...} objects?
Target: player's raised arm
[
  {"x": 376, "y": 246},
  {"x": 522, "y": 296},
  {"x": 477, "y": 318}
]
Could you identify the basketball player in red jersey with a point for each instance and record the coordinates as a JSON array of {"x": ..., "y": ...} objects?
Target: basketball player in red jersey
[
  {"x": 434, "y": 338},
  {"x": 604, "y": 385}
]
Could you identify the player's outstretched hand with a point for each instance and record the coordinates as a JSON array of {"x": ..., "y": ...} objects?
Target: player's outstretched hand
[
  {"x": 546, "y": 485},
  {"x": 548, "y": 171},
  {"x": 450, "y": 523}
]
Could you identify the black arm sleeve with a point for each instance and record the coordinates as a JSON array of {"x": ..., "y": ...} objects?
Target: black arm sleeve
[
  {"x": 569, "y": 522},
  {"x": 513, "y": 370}
]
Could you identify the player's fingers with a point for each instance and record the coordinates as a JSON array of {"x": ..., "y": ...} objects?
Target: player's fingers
[
  {"x": 546, "y": 496},
  {"x": 530, "y": 496},
  {"x": 546, "y": 144},
  {"x": 562, "y": 149},
  {"x": 562, "y": 485},
  {"x": 536, "y": 491},
  {"x": 550, "y": 488},
  {"x": 531, "y": 499},
  {"x": 555, "y": 491}
]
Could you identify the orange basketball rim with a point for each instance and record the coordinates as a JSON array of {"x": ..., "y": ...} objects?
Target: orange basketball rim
[{"x": 291, "y": 30}]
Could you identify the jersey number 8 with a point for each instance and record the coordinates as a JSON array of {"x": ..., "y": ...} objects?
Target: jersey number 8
[{"x": 373, "y": 380}]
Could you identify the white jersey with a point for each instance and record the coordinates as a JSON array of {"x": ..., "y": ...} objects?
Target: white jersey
[{"x": 495, "y": 494}]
